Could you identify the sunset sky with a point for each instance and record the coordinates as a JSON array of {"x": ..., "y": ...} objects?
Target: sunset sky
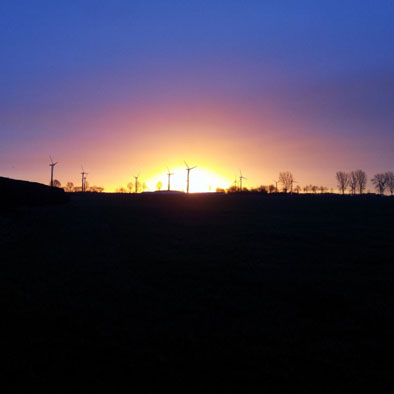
[{"x": 128, "y": 87}]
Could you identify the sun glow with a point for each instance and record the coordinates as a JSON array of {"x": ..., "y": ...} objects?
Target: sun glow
[{"x": 202, "y": 180}]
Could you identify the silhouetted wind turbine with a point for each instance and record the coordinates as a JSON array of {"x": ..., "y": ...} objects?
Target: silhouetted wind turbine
[
  {"x": 169, "y": 178},
  {"x": 136, "y": 183},
  {"x": 240, "y": 180},
  {"x": 83, "y": 173},
  {"x": 188, "y": 169},
  {"x": 52, "y": 165}
]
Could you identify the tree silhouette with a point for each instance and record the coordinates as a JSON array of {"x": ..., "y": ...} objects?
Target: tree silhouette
[
  {"x": 286, "y": 179},
  {"x": 361, "y": 180},
  {"x": 232, "y": 189},
  {"x": 271, "y": 189},
  {"x": 390, "y": 181},
  {"x": 343, "y": 181},
  {"x": 159, "y": 185},
  {"x": 130, "y": 187},
  {"x": 353, "y": 182},
  {"x": 56, "y": 183},
  {"x": 380, "y": 182},
  {"x": 322, "y": 189},
  {"x": 69, "y": 187},
  {"x": 96, "y": 189}
]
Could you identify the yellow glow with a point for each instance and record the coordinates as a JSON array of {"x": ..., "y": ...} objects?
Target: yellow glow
[{"x": 201, "y": 180}]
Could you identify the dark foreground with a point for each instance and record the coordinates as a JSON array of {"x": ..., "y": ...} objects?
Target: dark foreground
[
  {"x": 15, "y": 193},
  {"x": 198, "y": 293}
]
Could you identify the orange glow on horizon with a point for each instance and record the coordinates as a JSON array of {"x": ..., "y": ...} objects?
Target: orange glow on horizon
[{"x": 202, "y": 180}]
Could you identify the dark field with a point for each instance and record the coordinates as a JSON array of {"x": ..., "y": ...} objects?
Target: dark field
[{"x": 199, "y": 293}]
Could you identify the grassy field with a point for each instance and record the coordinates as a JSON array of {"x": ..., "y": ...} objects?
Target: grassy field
[{"x": 199, "y": 293}]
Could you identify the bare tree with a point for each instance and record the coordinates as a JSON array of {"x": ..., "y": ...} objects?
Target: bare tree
[
  {"x": 159, "y": 185},
  {"x": 232, "y": 189},
  {"x": 380, "y": 182},
  {"x": 322, "y": 189},
  {"x": 56, "y": 183},
  {"x": 297, "y": 189},
  {"x": 69, "y": 187},
  {"x": 390, "y": 181},
  {"x": 271, "y": 189},
  {"x": 361, "y": 180},
  {"x": 343, "y": 181},
  {"x": 286, "y": 179},
  {"x": 96, "y": 189},
  {"x": 130, "y": 187},
  {"x": 353, "y": 182}
]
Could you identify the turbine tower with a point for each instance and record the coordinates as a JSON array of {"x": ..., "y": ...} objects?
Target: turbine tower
[
  {"x": 83, "y": 173},
  {"x": 52, "y": 165},
  {"x": 188, "y": 169},
  {"x": 169, "y": 179},
  {"x": 136, "y": 183},
  {"x": 240, "y": 180}
]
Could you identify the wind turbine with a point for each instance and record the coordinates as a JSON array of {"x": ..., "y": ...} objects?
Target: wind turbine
[
  {"x": 240, "y": 180},
  {"x": 52, "y": 165},
  {"x": 188, "y": 169},
  {"x": 169, "y": 178},
  {"x": 83, "y": 173},
  {"x": 136, "y": 183}
]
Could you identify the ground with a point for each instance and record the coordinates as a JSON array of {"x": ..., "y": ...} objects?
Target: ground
[{"x": 198, "y": 293}]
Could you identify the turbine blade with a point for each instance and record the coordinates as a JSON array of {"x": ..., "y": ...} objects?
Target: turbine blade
[{"x": 186, "y": 165}]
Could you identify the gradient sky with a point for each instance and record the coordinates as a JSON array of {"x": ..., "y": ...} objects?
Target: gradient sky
[{"x": 126, "y": 87}]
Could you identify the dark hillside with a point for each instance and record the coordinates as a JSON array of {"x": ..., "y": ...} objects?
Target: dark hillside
[{"x": 16, "y": 193}]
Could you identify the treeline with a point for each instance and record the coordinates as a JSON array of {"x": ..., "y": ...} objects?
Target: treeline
[
  {"x": 286, "y": 183},
  {"x": 356, "y": 182},
  {"x": 71, "y": 188}
]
